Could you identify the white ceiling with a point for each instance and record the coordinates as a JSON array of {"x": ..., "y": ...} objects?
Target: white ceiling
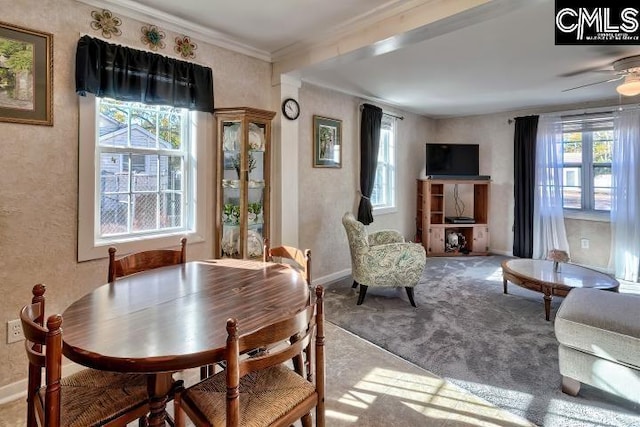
[{"x": 498, "y": 57}]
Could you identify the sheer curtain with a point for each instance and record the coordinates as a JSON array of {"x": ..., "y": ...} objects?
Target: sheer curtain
[
  {"x": 625, "y": 204},
  {"x": 548, "y": 217}
]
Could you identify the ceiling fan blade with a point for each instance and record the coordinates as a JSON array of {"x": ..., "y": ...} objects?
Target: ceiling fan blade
[
  {"x": 596, "y": 83},
  {"x": 590, "y": 70}
]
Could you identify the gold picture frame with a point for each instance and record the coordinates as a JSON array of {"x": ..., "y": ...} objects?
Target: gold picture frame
[
  {"x": 327, "y": 142},
  {"x": 26, "y": 75}
]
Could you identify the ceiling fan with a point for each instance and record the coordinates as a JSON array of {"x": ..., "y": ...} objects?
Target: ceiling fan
[{"x": 626, "y": 68}]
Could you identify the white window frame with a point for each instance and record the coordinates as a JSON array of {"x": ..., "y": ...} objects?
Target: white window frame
[
  {"x": 390, "y": 161},
  {"x": 587, "y": 210},
  {"x": 90, "y": 244}
]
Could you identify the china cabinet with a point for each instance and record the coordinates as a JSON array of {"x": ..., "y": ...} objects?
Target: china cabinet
[{"x": 243, "y": 181}]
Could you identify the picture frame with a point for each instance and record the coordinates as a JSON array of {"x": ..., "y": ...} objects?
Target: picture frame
[
  {"x": 327, "y": 142},
  {"x": 26, "y": 75}
]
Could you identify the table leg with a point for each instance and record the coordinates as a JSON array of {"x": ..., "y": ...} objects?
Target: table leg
[
  {"x": 158, "y": 386},
  {"x": 504, "y": 285},
  {"x": 547, "y": 303}
]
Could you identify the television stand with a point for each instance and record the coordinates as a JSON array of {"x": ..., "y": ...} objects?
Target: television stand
[{"x": 447, "y": 233}]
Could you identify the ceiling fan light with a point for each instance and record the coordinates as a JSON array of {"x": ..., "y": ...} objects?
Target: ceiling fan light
[{"x": 630, "y": 87}]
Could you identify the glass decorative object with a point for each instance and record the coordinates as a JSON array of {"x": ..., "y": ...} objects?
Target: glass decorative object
[{"x": 557, "y": 256}]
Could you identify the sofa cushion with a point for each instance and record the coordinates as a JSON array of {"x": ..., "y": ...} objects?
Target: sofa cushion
[{"x": 605, "y": 324}]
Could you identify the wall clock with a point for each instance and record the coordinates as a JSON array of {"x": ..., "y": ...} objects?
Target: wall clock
[{"x": 290, "y": 108}]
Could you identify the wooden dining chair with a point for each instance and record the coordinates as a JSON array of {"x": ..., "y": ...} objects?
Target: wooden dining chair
[
  {"x": 87, "y": 398},
  {"x": 262, "y": 390},
  {"x": 147, "y": 260},
  {"x": 298, "y": 259},
  {"x": 301, "y": 259}
]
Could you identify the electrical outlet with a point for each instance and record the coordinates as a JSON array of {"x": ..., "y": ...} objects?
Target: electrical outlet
[
  {"x": 584, "y": 243},
  {"x": 14, "y": 331}
]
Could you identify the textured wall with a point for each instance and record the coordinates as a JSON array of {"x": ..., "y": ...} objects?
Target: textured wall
[
  {"x": 39, "y": 172},
  {"x": 495, "y": 135},
  {"x": 599, "y": 235},
  {"x": 325, "y": 193}
]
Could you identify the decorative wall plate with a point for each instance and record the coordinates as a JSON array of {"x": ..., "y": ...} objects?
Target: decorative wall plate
[
  {"x": 230, "y": 138},
  {"x": 152, "y": 36},
  {"x": 254, "y": 243},
  {"x": 256, "y": 137},
  {"x": 106, "y": 22},
  {"x": 185, "y": 47}
]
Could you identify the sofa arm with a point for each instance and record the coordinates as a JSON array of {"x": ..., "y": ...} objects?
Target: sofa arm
[{"x": 384, "y": 237}]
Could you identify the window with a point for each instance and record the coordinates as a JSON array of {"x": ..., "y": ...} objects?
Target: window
[
  {"x": 384, "y": 189},
  {"x": 138, "y": 176},
  {"x": 587, "y": 147},
  {"x": 142, "y": 152}
]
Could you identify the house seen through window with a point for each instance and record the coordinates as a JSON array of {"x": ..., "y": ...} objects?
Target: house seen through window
[
  {"x": 384, "y": 189},
  {"x": 587, "y": 154},
  {"x": 142, "y": 153}
]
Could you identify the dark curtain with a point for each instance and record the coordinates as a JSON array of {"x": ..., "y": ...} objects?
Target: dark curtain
[
  {"x": 369, "y": 143},
  {"x": 524, "y": 162},
  {"x": 118, "y": 72}
]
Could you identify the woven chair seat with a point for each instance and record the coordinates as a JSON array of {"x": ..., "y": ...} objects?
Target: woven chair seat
[
  {"x": 265, "y": 396},
  {"x": 93, "y": 398}
]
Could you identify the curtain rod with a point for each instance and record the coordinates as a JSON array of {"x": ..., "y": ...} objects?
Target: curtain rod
[
  {"x": 586, "y": 111},
  {"x": 387, "y": 113}
]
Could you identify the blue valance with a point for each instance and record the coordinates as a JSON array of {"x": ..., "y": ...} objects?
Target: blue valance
[{"x": 125, "y": 74}]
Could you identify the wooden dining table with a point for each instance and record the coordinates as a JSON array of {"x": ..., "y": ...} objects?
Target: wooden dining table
[{"x": 173, "y": 318}]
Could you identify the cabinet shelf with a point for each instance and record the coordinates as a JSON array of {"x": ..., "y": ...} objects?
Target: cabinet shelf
[
  {"x": 435, "y": 201},
  {"x": 252, "y": 226}
]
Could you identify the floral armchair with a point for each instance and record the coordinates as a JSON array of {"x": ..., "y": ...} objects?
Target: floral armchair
[{"x": 382, "y": 259}]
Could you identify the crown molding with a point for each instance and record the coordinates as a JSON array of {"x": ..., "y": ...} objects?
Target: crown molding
[{"x": 143, "y": 13}]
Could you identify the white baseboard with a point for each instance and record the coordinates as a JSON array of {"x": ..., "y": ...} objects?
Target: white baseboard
[
  {"x": 18, "y": 389},
  {"x": 505, "y": 253},
  {"x": 13, "y": 391},
  {"x": 332, "y": 277}
]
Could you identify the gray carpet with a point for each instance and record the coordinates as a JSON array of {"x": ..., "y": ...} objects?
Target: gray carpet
[{"x": 497, "y": 346}]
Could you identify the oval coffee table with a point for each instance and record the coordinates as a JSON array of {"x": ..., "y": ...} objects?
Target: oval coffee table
[{"x": 538, "y": 275}]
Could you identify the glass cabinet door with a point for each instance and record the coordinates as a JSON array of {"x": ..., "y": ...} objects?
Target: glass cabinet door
[
  {"x": 255, "y": 189},
  {"x": 243, "y": 201},
  {"x": 231, "y": 187}
]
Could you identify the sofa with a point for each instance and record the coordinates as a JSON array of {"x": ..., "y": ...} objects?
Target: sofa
[{"x": 599, "y": 342}]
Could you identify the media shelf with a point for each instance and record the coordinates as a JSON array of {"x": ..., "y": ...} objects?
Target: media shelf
[{"x": 434, "y": 204}]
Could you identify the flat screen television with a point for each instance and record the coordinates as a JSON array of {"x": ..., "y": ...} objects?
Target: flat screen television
[{"x": 452, "y": 160}]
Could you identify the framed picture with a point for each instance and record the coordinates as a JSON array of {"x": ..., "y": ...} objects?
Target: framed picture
[
  {"x": 26, "y": 75},
  {"x": 327, "y": 142}
]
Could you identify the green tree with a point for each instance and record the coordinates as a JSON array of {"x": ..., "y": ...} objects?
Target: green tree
[
  {"x": 167, "y": 119},
  {"x": 17, "y": 66},
  {"x": 21, "y": 60}
]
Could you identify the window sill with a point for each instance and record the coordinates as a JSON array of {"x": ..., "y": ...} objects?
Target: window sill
[
  {"x": 137, "y": 244},
  {"x": 385, "y": 210},
  {"x": 587, "y": 215}
]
